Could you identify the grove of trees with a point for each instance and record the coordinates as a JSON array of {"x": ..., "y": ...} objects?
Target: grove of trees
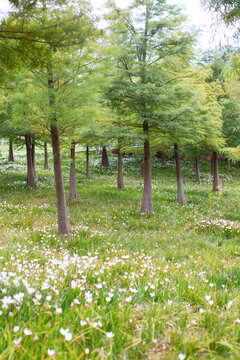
[{"x": 138, "y": 81}]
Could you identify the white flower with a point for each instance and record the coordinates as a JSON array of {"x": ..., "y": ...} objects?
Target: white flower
[
  {"x": 98, "y": 286},
  {"x": 68, "y": 336},
  {"x": 207, "y": 297},
  {"x": 17, "y": 341},
  {"x": 229, "y": 304},
  {"x": 58, "y": 310},
  {"x": 48, "y": 298},
  {"x": 82, "y": 322},
  {"x": 87, "y": 351},
  {"x": 110, "y": 334},
  {"x": 237, "y": 321},
  {"x": 66, "y": 333},
  {"x": 210, "y": 302},
  {"x": 27, "y": 332},
  {"x": 128, "y": 299},
  {"x": 181, "y": 356},
  {"x": 201, "y": 311},
  {"x": 51, "y": 352},
  {"x": 16, "y": 328},
  {"x": 108, "y": 298}
]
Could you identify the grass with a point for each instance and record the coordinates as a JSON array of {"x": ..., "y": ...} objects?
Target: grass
[{"x": 124, "y": 286}]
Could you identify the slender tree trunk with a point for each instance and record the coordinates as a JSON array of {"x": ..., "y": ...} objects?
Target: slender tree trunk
[
  {"x": 10, "y": 152},
  {"x": 198, "y": 179},
  {"x": 105, "y": 162},
  {"x": 63, "y": 221},
  {"x": 45, "y": 157},
  {"x": 72, "y": 187},
  {"x": 33, "y": 157},
  {"x": 97, "y": 151},
  {"x": 228, "y": 164},
  {"x": 147, "y": 205},
  {"x": 163, "y": 159},
  {"x": 120, "y": 173},
  {"x": 30, "y": 170},
  {"x": 181, "y": 197},
  {"x": 87, "y": 162},
  {"x": 215, "y": 172},
  {"x": 212, "y": 166}
]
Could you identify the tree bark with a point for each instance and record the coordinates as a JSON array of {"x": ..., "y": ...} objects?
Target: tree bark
[
  {"x": 181, "y": 197},
  {"x": 120, "y": 182},
  {"x": 10, "y": 152},
  {"x": 215, "y": 172},
  {"x": 228, "y": 164},
  {"x": 163, "y": 159},
  {"x": 212, "y": 166},
  {"x": 198, "y": 179},
  {"x": 87, "y": 162},
  {"x": 30, "y": 170},
  {"x": 33, "y": 157},
  {"x": 63, "y": 221},
  {"x": 72, "y": 186},
  {"x": 147, "y": 205},
  {"x": 45, "y": 157},
  {"x": 105, "y": 162}
]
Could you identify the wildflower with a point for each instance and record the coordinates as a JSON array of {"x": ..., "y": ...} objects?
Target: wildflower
[
  {"x": 201, "y": 311},
  {"x": 51, "y": 352},
  {"x": 210, "y": 302},
  {"x": 237, "y": 321},
  {"x": 27, "y": 332},
  {"x": 110, "y": 334},
  {"x": 128, "y": 299},
  {"x": 16, "y": 328},
  {"x": 181, "y": 356},
  {"x": 17, "y": 341},
  {"x": 66, "y": 333},
  {"x": 82, "y": 322},
  {"x": 87, "y": 351},
  {"x": 207, "y": 297}
]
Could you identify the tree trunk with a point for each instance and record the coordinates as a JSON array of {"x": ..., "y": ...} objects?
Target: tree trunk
[
  {"x": 45, "y": 157},
  {"x": 97, "y": 151},
  {"x": 147, "y": 205},
  {"x": 72, "y": 187},
  {"x": 30, "y": 170},
  {"x": 181, "y": 197},
  {"x": 163, "y": 159},
  {"x": 215, "y": 172},
  {"x": 105, "y": 162},
  {"x": 33, "y": 157},
  {"x": 120, "y": 173},
  {"x": 228, "y": 164},
  {"x": 198, "y": 179},
  {"x": 10, "y": 153},
  {"x": 212, "y": 166},
  {"x": 87, "y": 163},
  {"x": 63, "y": 221}
]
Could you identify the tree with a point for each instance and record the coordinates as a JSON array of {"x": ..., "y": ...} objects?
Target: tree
[
  {"x": 145, "y": 35},
  {"x": 229, "y": 10},
  {"x": 52, "y": 32}
]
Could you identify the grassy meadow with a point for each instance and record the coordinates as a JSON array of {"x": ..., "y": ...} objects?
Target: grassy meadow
[{"x": 124, "y": 286}]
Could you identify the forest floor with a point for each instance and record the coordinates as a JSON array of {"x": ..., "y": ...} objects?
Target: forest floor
[{"x": 124, "y": 286}]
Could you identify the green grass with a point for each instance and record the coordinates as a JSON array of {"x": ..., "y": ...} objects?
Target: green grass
[{"x": 161, "y": 285}]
